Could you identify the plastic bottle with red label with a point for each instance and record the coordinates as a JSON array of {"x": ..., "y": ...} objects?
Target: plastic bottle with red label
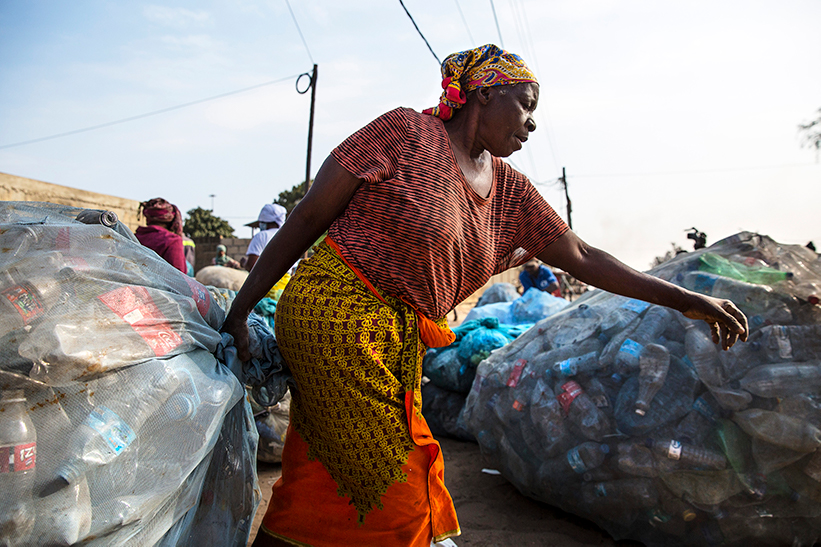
[
  {"x": 18, "y": 465},
  {"x": 26, "y": 301},
  {"x": 590, "y": 421}
]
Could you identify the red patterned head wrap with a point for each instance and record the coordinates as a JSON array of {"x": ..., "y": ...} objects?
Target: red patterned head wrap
[
  {"x": 485, "y": 66},
  {"x": 159, "y": 211}
]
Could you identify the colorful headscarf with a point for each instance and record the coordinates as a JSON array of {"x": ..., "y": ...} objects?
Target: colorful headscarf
[
  {"x": 485, "y": 66},
  {"x": 158, "y": 210}
]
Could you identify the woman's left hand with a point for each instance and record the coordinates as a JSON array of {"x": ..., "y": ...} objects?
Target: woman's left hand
[{"x": 727, "y": 323}]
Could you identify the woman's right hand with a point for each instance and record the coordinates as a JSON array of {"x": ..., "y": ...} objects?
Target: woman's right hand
[{"x": 238, "y": 328}]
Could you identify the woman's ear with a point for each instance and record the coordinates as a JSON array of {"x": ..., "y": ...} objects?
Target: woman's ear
[{"x": 483, "y": 94}]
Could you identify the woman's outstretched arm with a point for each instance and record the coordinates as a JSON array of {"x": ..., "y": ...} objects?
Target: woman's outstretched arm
[{"x": 596, "y": 267}]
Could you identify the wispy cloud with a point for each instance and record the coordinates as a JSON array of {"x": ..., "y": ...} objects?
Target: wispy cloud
[{"x": 177, "y": 17}]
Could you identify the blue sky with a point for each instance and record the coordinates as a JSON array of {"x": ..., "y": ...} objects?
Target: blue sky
[{"x": 665, "y": 115}]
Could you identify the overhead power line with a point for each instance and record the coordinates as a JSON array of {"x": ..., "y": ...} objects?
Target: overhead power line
[
  {"x": 420, "y": 32},
  {"x": 300, "y": 32},
  {"x": 501, "y": 41},
  {"x": 472, "y": 41},
  {"x": 147, "y": 114}
]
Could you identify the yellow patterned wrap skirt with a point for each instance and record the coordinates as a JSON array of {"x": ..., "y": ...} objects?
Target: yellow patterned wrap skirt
[{"x": 359, "y": 466}]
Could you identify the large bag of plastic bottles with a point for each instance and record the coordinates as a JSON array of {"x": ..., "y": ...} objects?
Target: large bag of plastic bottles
[
  {"x": 118, "y": 425},
  {"x": 534, "y": 305},
  {"x": 498, "y": 292},
  {"x": 627, "y": 414}
]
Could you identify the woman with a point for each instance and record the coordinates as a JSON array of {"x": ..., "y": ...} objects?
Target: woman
[
  {"x": 163, "y": 233},
  {"x": 222, "y": 259},
  {"x": 420, "y": 212}
]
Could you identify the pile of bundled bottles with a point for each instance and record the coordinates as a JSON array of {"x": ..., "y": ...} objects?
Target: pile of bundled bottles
[
  {"x": 117, "y": 423},
  {"x": 498, "y": 318},
  {"x": 626, "y": 413}
]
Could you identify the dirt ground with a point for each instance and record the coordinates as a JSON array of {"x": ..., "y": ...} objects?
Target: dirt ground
[{"x": 492, "y": 513}]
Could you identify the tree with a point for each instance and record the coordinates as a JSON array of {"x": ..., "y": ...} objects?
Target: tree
[
  {"x": 203, "y": 223},
  {"x": 669, "y": 255},
  {"x": 811, "y": 133},
  {"x": 290, "y": 198}
]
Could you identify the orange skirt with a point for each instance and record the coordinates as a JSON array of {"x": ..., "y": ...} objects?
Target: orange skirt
[{"x": 359, "y": 466}]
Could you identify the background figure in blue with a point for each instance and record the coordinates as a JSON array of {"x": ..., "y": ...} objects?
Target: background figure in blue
[{"x": 535, "y": 274}]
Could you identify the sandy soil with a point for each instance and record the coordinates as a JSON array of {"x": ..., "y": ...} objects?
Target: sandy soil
[{"x": 491, "y": 511}]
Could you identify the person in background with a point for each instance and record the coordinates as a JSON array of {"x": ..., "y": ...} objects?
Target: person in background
[
  {"x": 222, "y": 259},
  {"x": 421, "y": 211},
  {"x": 190, "y": 251},
  {"x": 536, "y": 275},
  {"x": 271, "y": 217},
  {"x": 163, "y": 231}
]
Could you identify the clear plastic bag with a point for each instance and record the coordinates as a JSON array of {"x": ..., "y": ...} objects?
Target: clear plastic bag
[
  {"x": 141, "y": 435},
  {"x": 726, "y": 449}
]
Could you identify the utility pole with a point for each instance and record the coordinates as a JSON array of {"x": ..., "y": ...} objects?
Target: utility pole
[
  {"x": 312, "y": 87},
  {"x": 567, "y": 197}
]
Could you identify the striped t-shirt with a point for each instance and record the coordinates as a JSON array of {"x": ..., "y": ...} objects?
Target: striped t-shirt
[{"x": 417, "y": 230}]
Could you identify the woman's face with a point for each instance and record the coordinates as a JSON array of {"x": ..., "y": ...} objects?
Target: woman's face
[{"x": 508, "y": 117}]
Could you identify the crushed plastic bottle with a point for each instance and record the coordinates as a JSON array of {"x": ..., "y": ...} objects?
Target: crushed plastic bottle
[
  {"x": 112, "y": 425},
  {"x": 706, "y": 488},
  {"x": 697, "y": 425},
  {"x": 553, "y": 356},
  {"x": 546, "y": 417},
  {"x": 769, "y": 457},
  {"x": 577, "y": 325},
  {"x": 608, "y": 354},
  {"x": 791, "y": 343},
  {"x": 654, "y": 362},
  {"x": 702, "y": 353},
  {"x": 619, "y": 318},
  {"x": 779, "y": 429},
  {"x": 579, "y": 460},
  {"x": 783, "y": 379},
  {"x": 653, "y": 323},
  {"x": 636, "y": 459},
  {"x": 582, "y": 364},
  {"x": 761, "y": 305}
]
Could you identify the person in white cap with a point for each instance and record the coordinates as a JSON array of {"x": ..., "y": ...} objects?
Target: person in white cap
[{"x": 271, "y": 217}]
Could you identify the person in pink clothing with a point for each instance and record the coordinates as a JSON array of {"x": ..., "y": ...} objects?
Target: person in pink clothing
[{"x": 163, "y": 233}]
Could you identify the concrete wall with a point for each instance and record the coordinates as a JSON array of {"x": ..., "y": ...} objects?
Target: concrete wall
[
  {"x": 207, "y": 249},
  {"x": 14, "y": 188}
]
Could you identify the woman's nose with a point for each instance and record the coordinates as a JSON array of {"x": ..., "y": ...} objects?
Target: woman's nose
[{"x": 530, "y": 125}]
